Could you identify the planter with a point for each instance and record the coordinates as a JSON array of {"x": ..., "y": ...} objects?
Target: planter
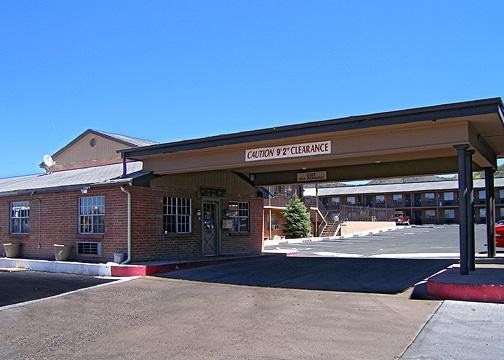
[
  {"x": 62, "y": 252},
  {"x": 12, "y": 250}
]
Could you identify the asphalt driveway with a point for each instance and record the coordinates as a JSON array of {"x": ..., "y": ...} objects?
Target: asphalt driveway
[
  {"x": 388, "y": 276},
  {"x": 417, "y": 241},
  {"x": 162, "y": 318},
  {"x": 22, "y": 286}
]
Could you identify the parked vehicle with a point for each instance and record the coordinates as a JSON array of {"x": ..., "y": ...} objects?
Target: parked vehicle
[
  {"x": 401, "y": 218},
  {"x": 499, "y": 234}
]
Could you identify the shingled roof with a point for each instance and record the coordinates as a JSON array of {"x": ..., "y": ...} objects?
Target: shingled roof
[{"x": 97, "y": 176}]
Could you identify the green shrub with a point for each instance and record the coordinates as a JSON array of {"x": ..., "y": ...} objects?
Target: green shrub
[{"x": 297, "y": 219}]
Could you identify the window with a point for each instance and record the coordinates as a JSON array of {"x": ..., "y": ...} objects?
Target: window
[
  {"x": 20, "y": 217},
  {"x": 449, "y": 214},
  {"x": 335, "y": 200},
  {"x": 448, "y": 196},
  {"x": 239, "y": 212},
  {"x": 482, "y": 194},
  {"x": 501, "y": 211},
  {"x": 501, "y": 194},
  {"x": 92, "y": 215},
  {"x": 431, "y": 214},
  {"x": 176, "y": 215},
  {"x": 288, "y": 191},
  {"x": 397, "y": 197},
  {"x": 88, "y": 248},
  {"x": 482, "y": 213},
  {"x": 380, "y": 199},
  {"x": 351, "y": 200},
  {"x": 429, "y": 196}
]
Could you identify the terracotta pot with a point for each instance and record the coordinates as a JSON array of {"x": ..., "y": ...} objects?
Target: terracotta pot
[
  {"x": 62, "y": 252},
  {"x": 12, "y": 250}
]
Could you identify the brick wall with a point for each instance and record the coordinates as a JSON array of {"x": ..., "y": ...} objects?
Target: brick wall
[
  {"x": 148, "y": 239},
  {"x": 277, "y": 214},
  {"x": 54, "y": 220}
]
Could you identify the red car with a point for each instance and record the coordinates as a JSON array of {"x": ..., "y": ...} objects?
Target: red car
[
  {"x": 401, "y": 218},
  {"x": 499, "y": 234}
]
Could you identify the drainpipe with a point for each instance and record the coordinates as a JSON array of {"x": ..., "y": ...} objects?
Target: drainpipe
[{"x": 123, "y": 189}]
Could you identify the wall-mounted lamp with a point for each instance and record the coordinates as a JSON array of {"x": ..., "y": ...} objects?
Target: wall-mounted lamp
[
  {"x": 198, "y": 214},
  {"x": 84, "y": 189}
]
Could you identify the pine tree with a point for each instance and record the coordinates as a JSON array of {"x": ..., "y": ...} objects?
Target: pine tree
[{"x": 297, "y": 219}]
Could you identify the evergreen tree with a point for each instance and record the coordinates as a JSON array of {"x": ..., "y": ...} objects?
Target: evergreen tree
[{"x": 297, "y": 219}]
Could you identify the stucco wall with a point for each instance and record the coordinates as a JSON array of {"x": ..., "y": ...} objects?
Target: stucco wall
[{"x": 356, "y": 227}]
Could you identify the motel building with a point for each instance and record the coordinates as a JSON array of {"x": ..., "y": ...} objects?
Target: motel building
[
  {"x": 109, "y": 194},
  {"x": 424, "y": 202}
]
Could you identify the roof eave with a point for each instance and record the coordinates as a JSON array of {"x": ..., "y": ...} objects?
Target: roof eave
[{"x": 437, "y": 112}]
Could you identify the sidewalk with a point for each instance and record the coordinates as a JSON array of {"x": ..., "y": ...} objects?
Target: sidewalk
[{"x": 461, "y": 330}]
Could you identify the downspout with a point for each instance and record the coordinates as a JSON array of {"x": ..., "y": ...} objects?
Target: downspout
[{"x": 123, "y": 189}]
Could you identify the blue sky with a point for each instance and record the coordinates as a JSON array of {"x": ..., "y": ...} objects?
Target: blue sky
[{"x": 167, "y": 70}]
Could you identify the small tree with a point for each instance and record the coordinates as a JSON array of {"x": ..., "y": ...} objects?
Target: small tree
[{"x": 297, "y": 219}]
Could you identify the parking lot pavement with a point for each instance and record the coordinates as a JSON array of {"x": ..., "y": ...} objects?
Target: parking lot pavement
[
  {"x": 461, "y": 330},
  {"x": 423, "y": 241},
  {"x": 160, "y": 318},
  {"x": 16, "y": 287},
  {"x": 387, "y": 276}
]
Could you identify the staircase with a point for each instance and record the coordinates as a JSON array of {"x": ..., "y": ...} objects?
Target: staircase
[
  {"x": 331, "y": 229},
  {"x": 328, "y": 223}
]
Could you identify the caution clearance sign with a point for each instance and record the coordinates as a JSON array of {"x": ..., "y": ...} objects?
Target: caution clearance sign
[{"x": 288, "y": 151}]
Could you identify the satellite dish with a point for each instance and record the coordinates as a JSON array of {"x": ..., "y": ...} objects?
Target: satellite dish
[{"x": 49, "y": 162}]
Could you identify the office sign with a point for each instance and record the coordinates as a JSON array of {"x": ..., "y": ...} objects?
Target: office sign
[
  {"x": 312, "y": 176},
  {"x": 288, "y": 151}
]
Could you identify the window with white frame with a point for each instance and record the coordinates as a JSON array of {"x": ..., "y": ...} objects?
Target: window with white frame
[
  {"x": 397, "y": 197},
  {"x": 239, "y": 212},
  {"x": 380, "y": 199},
  {"x": 350, "y": 200},
  {"x": 431, "y": 214},
  {"x": 177, "y": 215},
  {"x": 449, "y": 213},
  {"x": 20, "y": 217},
  {"x": 448, "y": 196},
  {"x": 482, "y": 213},
  {"x": 482, "y": 194},
  {"x": 335, "y": 200},
  {"x": 429, "y": 196},
  {"x": 92, "y": 215}
]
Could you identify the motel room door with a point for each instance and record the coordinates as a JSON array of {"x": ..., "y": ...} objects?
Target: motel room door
[{"x": 210, "y": 228}]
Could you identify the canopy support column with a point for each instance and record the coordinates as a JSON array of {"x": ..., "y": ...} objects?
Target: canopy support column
[
  {"x": 490, "y": 211},
  {"x": 463, "y": 201}
]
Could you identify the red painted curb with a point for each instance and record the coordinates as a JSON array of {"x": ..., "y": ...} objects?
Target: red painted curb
[
  {"x": 466, "y": 292},
  {"x": 145, "y": 270}
]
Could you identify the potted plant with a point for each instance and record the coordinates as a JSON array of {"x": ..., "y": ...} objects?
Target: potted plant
[
  {"x": 62, "y": 252},
  {"x": 12, "y": 250}
]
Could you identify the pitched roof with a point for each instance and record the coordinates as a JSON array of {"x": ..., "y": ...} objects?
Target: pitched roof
[
  {"x": 71, "y": 179},
  {"x": 397, "y": 188},
  {"x": 128, "y": 141}
]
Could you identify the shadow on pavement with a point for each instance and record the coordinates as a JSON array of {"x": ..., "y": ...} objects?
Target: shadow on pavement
[
  {"x": 388, "y": 276},
  {"x": 16, "y": 287}
]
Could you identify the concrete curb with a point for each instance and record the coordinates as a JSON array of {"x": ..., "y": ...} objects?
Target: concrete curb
[
  {"x": 146, "y": 269},
  {"x": 68, "y": 267},
  {"x": 116, "y": 270},
  {"x": 484, "y": 285}
]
